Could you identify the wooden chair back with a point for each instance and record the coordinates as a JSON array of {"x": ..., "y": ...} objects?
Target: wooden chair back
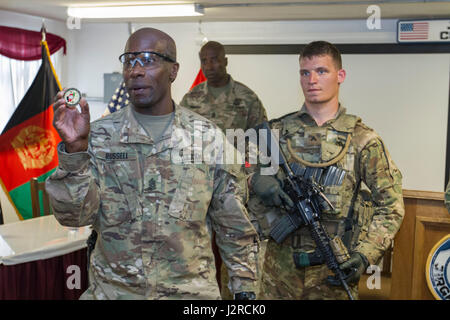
[{"x": 37, "y": 187}]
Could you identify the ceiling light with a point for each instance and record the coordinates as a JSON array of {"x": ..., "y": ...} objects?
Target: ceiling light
[{"x": 147, "y": 11}]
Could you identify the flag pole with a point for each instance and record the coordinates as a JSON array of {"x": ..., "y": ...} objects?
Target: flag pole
[
  {"x": 44, "y": 43},
  {"x": 43, "y": 31}
]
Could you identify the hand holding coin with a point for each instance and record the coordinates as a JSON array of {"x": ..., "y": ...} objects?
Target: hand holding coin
[{"x": 72, "y": 124}]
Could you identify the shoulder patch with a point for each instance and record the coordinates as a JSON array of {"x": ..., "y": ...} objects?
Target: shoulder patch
[{"x": 363, "y": 135}]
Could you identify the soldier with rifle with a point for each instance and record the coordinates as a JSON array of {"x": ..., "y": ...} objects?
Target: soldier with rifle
[{"x": 336, "y": 204}]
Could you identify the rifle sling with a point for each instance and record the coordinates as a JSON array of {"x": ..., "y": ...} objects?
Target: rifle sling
[{"x": 348, "y": 223}]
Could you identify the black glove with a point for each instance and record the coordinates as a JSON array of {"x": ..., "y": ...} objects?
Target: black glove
[
  {"x": 245, "y": 296},
  {"x": 269, "y": 189},
  {"x": 354, "y": 267}
]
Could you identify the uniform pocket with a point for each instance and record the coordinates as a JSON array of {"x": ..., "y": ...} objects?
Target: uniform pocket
[
  {"x": 115, "y": 209},
  {"x": 365, "y": 211},
  {"x": 192, "y": 195},
  {"x": 334, "y": 194},
  {"x": 118, "y": 192}
]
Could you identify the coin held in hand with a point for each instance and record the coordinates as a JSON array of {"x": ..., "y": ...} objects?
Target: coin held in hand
[{"x": 72, "y": 97}]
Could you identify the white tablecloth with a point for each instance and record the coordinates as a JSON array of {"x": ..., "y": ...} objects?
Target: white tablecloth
[{"x": 39, "y": 238}]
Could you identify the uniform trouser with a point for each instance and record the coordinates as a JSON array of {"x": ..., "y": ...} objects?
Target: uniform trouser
[{"x": 282, "y": 280}]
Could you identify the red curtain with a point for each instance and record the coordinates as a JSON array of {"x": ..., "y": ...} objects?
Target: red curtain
[
  {"x": 43, "y": 279},
  {"x": 23, "y": 44}
]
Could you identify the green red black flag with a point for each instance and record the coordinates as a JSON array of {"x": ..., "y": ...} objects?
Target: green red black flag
[{"x": 28, "y": 142}]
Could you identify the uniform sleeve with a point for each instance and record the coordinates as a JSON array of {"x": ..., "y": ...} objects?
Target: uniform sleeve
[
  {"x": 183, "y": 101},
  {"x": 235, "y": 235},
  {"x": 73, "y": 190},
  {"x": 447, "y": 197},
  {"x": 384, "y": 180},
  {"x": 257, "y": 114}
]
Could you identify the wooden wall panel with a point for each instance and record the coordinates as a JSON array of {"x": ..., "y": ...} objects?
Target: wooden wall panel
[
  {"x": 428, "y": 232},
  {"x": 426, "y": 222}
]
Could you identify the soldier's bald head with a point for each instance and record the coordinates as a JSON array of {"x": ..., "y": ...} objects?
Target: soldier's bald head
[
  {"x": 215, "y": 46},
  {"x": 152, "y": 39}
]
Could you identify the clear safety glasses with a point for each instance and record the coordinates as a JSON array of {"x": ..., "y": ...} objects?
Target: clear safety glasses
[{"x": 146, "y": 59}]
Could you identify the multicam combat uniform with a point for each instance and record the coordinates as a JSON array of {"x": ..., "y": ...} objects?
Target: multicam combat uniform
[
  {"x": 378, "y": 213},
  {"x": 239, "y": 108},
  {"x": 153, "y": 217}
]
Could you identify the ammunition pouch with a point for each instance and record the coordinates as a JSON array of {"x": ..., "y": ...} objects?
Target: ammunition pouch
[
  {"x": 307, "y": 259},
  {"x": 305, "y": 252},
  {"x": 364, "y": 212},
  {"x": 285, "y": 226}
]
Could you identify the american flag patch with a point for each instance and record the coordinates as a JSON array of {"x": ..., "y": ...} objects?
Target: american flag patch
[{"x": 414, "y": 31}]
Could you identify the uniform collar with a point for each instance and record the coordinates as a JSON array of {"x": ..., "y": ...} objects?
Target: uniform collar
[
  {"x": 132, "y": 132},
  {"x": 341, "y": 121},
  {"x": 230, "y": 96},
  {"x": 304, "y": 111}
]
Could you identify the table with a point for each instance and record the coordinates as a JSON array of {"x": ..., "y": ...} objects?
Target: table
[{"x": 40, "y": 259}]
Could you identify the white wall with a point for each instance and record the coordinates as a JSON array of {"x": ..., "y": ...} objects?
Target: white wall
[
  {"x": 405, "y": 99},
  {"x": 94, "y": 48}
]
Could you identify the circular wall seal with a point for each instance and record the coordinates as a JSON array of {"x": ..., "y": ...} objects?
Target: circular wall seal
[
  {"x": 72, "y": 97},
  {"x": 437, "y": 269}
]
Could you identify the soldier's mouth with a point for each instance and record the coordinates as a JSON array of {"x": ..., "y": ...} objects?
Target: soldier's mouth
[
  {"x": 138, "y": 90},
  {"x": 210, "y": 75}
]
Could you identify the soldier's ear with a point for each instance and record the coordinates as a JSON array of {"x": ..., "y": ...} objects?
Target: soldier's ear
[
  {"x": 174, "y": 71},
  {"x": 341, "y": 76}
]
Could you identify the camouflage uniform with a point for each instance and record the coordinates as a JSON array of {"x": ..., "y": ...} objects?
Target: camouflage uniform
[
  {"x": 238, "y": 109},
  {"x": 378, "y": 208},
  {"x": 154, "y": 217},
  {"x": 447, "y": 197}
]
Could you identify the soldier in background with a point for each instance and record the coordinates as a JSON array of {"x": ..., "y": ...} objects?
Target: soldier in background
[
  {"x": 368, "y": 206},
  {"x": 228, "y": 103},
  {"x": 153, "y": 216}
]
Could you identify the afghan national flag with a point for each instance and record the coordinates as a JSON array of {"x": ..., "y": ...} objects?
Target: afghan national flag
[
  {"x": 28, "y": 142},
  {"x": 198, "y": 79}
]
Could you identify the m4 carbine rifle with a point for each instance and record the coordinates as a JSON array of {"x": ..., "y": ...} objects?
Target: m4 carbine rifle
[{"x": 308, "y": 198}]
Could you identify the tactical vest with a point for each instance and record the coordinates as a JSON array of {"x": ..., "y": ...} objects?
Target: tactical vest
[{"x": 338, "y": 143}]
